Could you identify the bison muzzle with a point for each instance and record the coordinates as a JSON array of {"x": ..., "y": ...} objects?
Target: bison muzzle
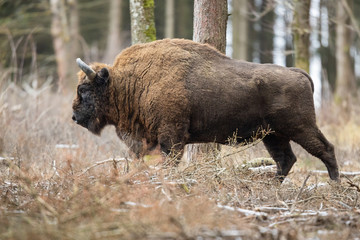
[{"x": 174, "y": 92}]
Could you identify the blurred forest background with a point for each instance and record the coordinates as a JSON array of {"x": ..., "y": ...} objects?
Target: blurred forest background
[{"x": 40, "y": 39}]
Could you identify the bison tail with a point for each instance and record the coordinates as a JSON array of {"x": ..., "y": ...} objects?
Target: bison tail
[{"x": 304, "y": 73}]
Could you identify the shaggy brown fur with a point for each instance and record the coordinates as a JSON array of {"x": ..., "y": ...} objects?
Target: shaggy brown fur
[{"x": 173, "y": 92}]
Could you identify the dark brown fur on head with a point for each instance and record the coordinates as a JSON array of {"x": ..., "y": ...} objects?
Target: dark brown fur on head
[{"x": 92, "y": 95}]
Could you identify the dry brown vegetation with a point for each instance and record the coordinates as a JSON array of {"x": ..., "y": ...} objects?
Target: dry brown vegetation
[{"x": 58, "y": 181}]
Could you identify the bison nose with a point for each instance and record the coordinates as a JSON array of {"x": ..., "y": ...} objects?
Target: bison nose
[{"x": 74, "y": 118}]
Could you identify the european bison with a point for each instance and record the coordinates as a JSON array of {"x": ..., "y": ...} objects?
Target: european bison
[{"x": 173, "y": 92}]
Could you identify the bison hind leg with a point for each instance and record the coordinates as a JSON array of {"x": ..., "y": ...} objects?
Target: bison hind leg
[
  {"x": 314, "y": 142},
  {"x": 280, "y": 150}
]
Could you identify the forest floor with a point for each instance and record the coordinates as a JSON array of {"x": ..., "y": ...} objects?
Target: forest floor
[{"x": 59, "y": 181}]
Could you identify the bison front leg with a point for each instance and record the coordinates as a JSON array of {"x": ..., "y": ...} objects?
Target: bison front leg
[
  {"x": 136, "y": 147},
  {"x": 134, "y": 143},
  {"x": 172, "y": 140}
]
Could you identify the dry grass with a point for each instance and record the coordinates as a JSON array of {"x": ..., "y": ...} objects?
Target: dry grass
[{"x": 77, "y": 191}]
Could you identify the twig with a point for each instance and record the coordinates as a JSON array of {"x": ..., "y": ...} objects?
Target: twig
[
  {"x": 352, "y": 17},
  {"x": 270, "y": 6},
  {"x": 353, "y": 184},
  {"x": 271, "y": 209},
  {"x": 341, "y": 173},
  {"x": 256, "y": 139},
  {"x": 343, "y": 204},
  {"x": 263, "y": 168},
  {"x": 245, "y": 148},
  {"x": 246, "y": 212},
  {"x": 310, "y": 198},
  {"x": 298, "y": 195},
  {"x": 116, "y": 160}
]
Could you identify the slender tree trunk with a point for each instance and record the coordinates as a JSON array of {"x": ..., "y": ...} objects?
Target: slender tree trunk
[
  {"x": 113, "y": 44},
  {"x": 169, "y": 18},
  {"x": 289, "y": 49},
  {"x": 184, "y": 23},
  {"x": 240, "y": 29},
  {"x": 142, "y": 21},
  {"x": 73, "y": 51},
  {"x": 65, "y": 34},
  {"x": 210, "y": 18},
  {"x": 266, "y": 35},
  {"x": 345, "y": 76},
  {"x": 74, "y": 26},
  {"x": 60, "y": 34},
  {"x": 327, "y": 48},
  {"x": 253, "y": 38},
  {"x": 301, "y": 32}
]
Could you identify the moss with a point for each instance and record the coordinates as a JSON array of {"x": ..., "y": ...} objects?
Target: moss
[
  {"x": 150, "y": 31},
  {"x": 148, "y": 4}
]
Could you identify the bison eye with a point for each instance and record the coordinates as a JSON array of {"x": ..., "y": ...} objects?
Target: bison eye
[{"x": 82, "y": 90}]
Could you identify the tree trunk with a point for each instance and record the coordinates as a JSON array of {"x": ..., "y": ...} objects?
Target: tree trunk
[
  {"x": 327, "y": 36},
  {"x": 65, "y": 40},
  {"x": 301, "y": 31},
  {"x": 184, "y": 18},
  {"x": 253, "y": 41},
  {"x": 169, "y": 18},
  {"x": 345, "y": 76},
  {"x": 210, "y": 18},
  {"x": 266, "y": 35},
  {"x": 142, "y": 21},
  {"x": 73, "y": 51},
  {"x": 60, "y": 34},
  {"x": 113, "y": 44},
  {"x": 240, "y": 29}
]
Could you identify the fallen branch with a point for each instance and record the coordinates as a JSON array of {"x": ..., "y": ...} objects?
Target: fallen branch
[
  {"x": 271, "y": 168},
  {"x": 271, "y": 209},
  {"x": 112, "y": 160},
  {"x": 354, "y": 185},
  {"x": 246, "y": 212},
  {"x": 300, "y": 191},
  {"x": 341, "y": 173}
]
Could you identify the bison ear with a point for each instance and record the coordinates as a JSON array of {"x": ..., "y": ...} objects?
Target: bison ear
[{"x": 102, "y": 76}]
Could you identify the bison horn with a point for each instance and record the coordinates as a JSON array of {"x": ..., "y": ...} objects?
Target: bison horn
[{"x": 86, "y": 69}]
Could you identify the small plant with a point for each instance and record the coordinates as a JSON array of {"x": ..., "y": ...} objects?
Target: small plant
[{"x": 255, "y": 139}]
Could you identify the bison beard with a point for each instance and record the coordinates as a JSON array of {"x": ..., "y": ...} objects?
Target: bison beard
[{"x": 174, "y": 92}]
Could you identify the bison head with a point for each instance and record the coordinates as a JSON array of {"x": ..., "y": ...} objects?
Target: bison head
[{"x": 92, "y": 96}]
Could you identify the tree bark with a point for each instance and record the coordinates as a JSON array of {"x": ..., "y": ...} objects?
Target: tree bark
[
  {"x": 64, "y": 31},
  {"x": 327, "y": 36},
  {"x": 210, "y": 18},
  {"x": 60, "y": 36},
  {"x": 345, "y": 76},
  {"x": 301, "y": 31},
  {"x": 113, "y": 44},
  {"x": 73, "y": 51},
  {"x": 184, "y": 23},
  {"x": 266, "y": 35},
  {"x": 240, "y": 29},
  {"x": 142, "y": 21},
  {"x": 169, "y": 18}
]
